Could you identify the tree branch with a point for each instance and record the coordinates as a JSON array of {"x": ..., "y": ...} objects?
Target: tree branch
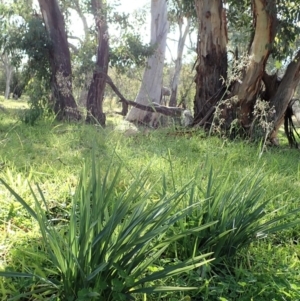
[
  {"x": 75, "y": 38},
  {"x": 154, "y": 107}
]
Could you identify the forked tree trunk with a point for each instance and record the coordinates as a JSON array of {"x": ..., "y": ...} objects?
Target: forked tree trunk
[
  {"x": 264, "y": 14},
  {"x": 178, "y": 62},
  {"x": 150, "y": 90},
  {"x": 211, "y": 54},
  {"x": 59, "y": 55},
  {"x": 97, "y": 87}
]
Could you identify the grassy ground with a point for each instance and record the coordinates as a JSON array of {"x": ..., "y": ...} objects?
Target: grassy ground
[{"x": 52, "y": 154}]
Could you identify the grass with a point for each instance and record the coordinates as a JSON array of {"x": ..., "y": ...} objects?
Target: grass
[{"x": 53, "y": 154}]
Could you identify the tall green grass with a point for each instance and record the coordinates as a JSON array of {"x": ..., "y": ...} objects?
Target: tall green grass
[{"x": 241, "y": 213}]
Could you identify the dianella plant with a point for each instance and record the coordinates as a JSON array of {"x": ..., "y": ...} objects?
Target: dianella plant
[{"x": 105, "y": 246}]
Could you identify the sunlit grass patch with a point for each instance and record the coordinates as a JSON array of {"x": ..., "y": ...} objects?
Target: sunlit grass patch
[{"x": 53, "y": 154}]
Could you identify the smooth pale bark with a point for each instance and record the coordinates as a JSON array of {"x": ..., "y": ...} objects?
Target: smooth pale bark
[
  {"x": 264, "y": 13},
  {"x": 150, "y": 90},
  {"x": 59, "y": 55},
  {"x": 96, "y": 90},
  {"x": 284, "y": 94},
  {"x": 9, "y": 70},
  {"x": 178, "y": 61},
  {"x": 211, "y": 54}
]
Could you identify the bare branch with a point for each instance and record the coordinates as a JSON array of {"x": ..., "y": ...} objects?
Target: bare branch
[{"x": 154, "y": 107}]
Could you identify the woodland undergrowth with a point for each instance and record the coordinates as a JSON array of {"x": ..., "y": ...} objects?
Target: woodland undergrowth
[{"x": 165, "y": 214}]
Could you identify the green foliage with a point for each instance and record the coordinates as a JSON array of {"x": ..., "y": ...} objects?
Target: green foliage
[
  {"x": 25, "y": 37},
  {"x": 39, "y": 104},
  {"x": 25, "y": 34},
  {"x": 132, "y": 51},
  {"x": 109, "y": 241},
  {"x": 287, "y": 27},
  {"x": 83, "y": 63},
  {"x": 240, "y": 28},
  {"x": 183, "y": 7},
  {"x": 265, "y": 276}
]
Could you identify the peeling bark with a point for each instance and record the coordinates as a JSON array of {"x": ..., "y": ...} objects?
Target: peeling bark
[
  {"x": 212, "y": 55},
  {"x": 264, "y": 13}
]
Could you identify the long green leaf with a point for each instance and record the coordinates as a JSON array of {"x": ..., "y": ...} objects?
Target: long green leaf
[
  {"x": 20, "y": 200},
  {"x": 162, "y": 289},
  {"x": 176, "y": 269}
]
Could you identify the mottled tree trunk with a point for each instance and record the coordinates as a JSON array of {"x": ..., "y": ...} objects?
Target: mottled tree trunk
[
  {"x": 61, "y": 81},
  {"x": 97, "y": 87},
  {"x": 150, "y": 90},
  {"x": 264, "y": 16},
  {"x": 212, "y": 56},
  {"x": 178, "y": 62}
]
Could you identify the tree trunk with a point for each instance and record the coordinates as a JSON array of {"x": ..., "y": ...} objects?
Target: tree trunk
[
  {"x": 211, "y": 54},
  {"x": 9, "y": 70},
  {"x": 150, "y": 90},
  {"x": 284, "y": 94},
  {"x": 59, "y": 55},
  {"x": 178, "y": 62},
  {"x": 264, "y": 14},
  {"x": 97, "y": 87}
]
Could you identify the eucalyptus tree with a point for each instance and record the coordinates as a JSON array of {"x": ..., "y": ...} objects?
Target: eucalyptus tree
[
  {"x": 151, "y": 86},
  {"x": 54, "y": 52},
  {"x": 60, "y": 61},
  {"x": 274, "y": 28},
  {"x": 28, "y": 38},
  {"x": 123, "y": 55}
]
